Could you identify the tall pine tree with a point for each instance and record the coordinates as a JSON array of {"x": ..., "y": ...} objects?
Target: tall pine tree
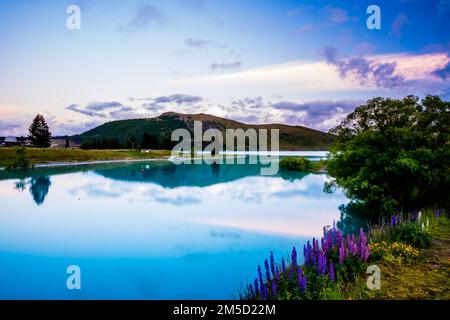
[{"x": 39, "y": 135}]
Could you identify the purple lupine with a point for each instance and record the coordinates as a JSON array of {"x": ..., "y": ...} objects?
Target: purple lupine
[
  {"x": 266, "y": 265},
  {"x": 341, "y": 253},
  {"x": 393, "y": 222},
  {"x": 277, "y": 273},
  {"x": 294, "y": 257},
  {"x": 274, "y": 288},
  {"x": 332, "y": 277},
  {"x": 438, "y": 213},
  {"x": 272, "y": 264},
  {"x": 261, "y": 283},
  {"x": 322, "y": 264},
  {"x": 255, "y": 285},
  {"x": 250, "y": 289},
  {"x": 339, "y": 237},
  {"x": 301, "y": 280},
  {"x": 283, "y": 266}
]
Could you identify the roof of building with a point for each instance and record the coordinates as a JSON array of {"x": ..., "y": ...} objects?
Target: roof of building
[{"x": 11, "y": 139}]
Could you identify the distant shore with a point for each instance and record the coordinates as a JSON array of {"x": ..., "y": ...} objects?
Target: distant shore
[{"x": 41, "y": 158}]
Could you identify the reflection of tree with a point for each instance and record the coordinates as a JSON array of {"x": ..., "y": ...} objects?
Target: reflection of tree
[
  {"x": 20, "y": 185},
  {"x": 352, "y": 218},
  {"x": 39, "y": 188}
]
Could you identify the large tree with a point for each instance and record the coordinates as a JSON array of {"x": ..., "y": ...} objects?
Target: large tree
[
  {"x": 394, "y": 155},
  {"x": 39, "y": 133}
]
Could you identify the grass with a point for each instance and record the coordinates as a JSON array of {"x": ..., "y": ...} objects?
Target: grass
[
  {"x": 410, "y": 269},
  {"x": 424, "y": 278},
  {"x": 38, "y": 155}
]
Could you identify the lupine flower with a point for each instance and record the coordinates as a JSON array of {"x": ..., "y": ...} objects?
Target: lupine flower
[
  {"x": 283, "y": 266},
  {"x": 341, "y": 253},
  {"x": 322, "y": 264},
  {"x": 274, "y": 288},
  {"x": 255, "y": 285},
  {"x": 294, "y": 257},
  {"x": 339, "y": 237},
  {"x": 250, "y": 289},
  {"x": 301, "y": 280},
  {"x": 262, "y": 289},
  {"x": 277, "y": 273},
  {"x": 332, "y": 272},
  {"x": 266, "y": 265},
  {"x": 272, "y": 264}
]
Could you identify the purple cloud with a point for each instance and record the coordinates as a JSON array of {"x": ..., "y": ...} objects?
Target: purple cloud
[{"x": 231, "y": 65}]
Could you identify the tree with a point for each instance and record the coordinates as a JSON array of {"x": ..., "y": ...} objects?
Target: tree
[
  {"x": 394, "y": 155},
  {"x": 67, "y": 144},
  {"x": 149, "y": 141},
  {"x": 39, "y": 133}
]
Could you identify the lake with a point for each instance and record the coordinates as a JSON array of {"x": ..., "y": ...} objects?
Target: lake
[{"x": 152, "y": 230}]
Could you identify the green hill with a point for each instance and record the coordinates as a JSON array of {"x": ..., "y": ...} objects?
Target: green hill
[{"x": 154, "y": 133}]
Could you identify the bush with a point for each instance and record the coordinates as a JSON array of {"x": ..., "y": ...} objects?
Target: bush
[
  {"x": 296, "y": 164},
  {"x": 411, "y": 233},
  {"x": 20, "y": 160}
]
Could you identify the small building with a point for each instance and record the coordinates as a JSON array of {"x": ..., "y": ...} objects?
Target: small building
[{"x": 11, "y": 141}]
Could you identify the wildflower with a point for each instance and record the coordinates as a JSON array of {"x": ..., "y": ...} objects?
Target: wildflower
[
  {"x": 274, "y": 288},
  {"x": 272, "y": 263},
  {"x": 262, "y": 288},
  {"x": 322, "y": 264},
  {"x": 294, "y": 257},
  {"x": 255, "y": 286},
  {"x": 341, "y": 253},
  {"x": 277, "y": 274},
  {"x": 301, "y": 280},
  {"x": 266, "y": 265},
  {"x": 419, "y": 217},
  {"x": 332, "y": 277},
  {"x": 283, "y": 266},
  {"x": 339, "y": 237},
  {"x": 393, "y": 222}
]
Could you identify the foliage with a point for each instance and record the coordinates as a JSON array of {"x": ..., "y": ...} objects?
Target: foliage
[
  {"x": 39, "y": 133},
  {"x": 300, "y": 164},
  {"x": 380, "y": 250},
  {"x": 327, "y": 267},
  {"x": 394, "y": 155},
  {"x": 20, "y": 160}
]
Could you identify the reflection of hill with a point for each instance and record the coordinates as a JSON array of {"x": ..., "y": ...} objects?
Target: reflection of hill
[
  {"x": 163, "y": 173},
  {"x": 169, "y": 175}
]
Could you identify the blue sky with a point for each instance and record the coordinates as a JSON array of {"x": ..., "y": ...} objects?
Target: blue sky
[{"x": 296, "y": 62}]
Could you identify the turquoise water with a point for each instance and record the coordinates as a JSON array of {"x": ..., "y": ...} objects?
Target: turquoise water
[{"x": 152, "y": 230}]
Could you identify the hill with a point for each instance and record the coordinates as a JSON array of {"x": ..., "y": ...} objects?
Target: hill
[{"x": 155, "y": 132}]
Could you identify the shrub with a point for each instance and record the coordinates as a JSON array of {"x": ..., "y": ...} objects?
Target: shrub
[
  {"x": 382, "y": 250},
  {"x": 20, "y": 160},
  {"x": 296, "y": 164}
]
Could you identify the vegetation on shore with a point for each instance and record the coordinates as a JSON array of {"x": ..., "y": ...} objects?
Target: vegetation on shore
[
  {"x": 394, "y": 155},
  {"x": 301, "y": 164},
  {"x": 335, "y": 267},
  {"x": 12, "y": 157}
]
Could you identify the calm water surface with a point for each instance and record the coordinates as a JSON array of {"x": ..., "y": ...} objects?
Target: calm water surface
[{"x": 152, "y": 230}]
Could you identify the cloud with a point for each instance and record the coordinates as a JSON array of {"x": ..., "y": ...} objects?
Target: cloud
[
  {"x": 197, "y": 43},
  {"x": 321, "y": 115},
  {"x": 336, "y": 15},
  {"x": 196, "y": 5},
  {"x": 230, "y": 65},
  {"x": 145, "y": 16},
  {"x": 443, "y": 72},
  {"x": 364, "y": 70},
  {"x": 161, "y": 103},
  {"x": 397, "y": 25},
  {"x": 113, "y": 109}
]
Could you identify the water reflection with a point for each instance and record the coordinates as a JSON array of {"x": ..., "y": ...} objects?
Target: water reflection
[
  {"x": 152, "y": 230},
  {"x": 163, "y": 174},
  {"x": 39, "y": 186}
]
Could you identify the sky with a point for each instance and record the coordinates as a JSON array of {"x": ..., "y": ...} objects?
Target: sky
[{"x": 295, "y": 62}]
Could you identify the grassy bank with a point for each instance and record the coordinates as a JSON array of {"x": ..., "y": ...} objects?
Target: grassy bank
[
  {"x": 412, "y": 253},
  {"x": 37, "y": 155}
]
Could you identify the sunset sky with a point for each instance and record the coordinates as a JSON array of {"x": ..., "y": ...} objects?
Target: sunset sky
[{"x": 295, "y": 62}]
